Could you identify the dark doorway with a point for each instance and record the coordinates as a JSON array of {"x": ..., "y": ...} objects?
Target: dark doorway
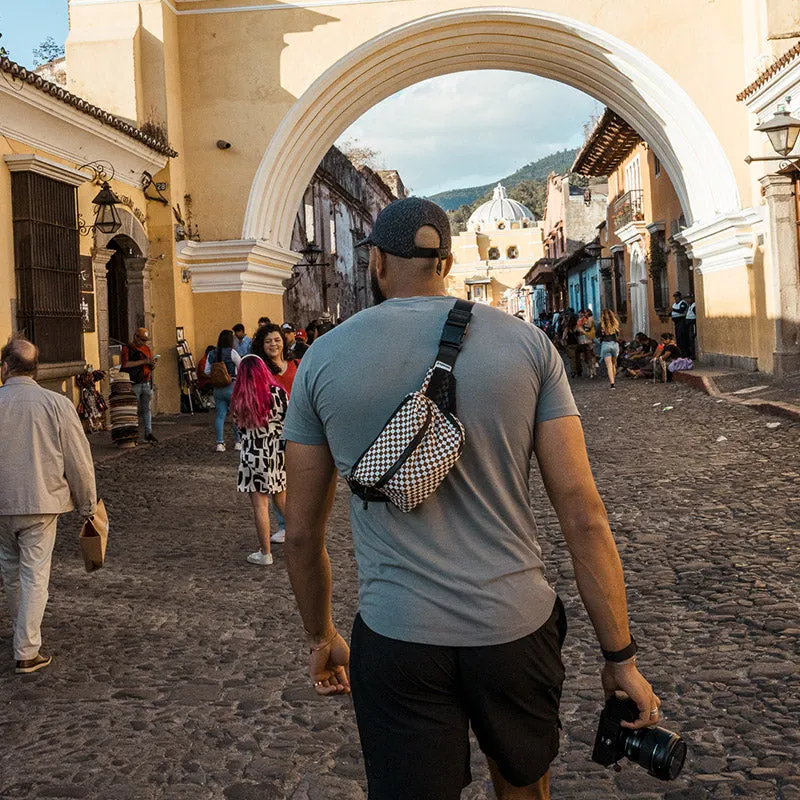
[{"x": 117, "y": 297}]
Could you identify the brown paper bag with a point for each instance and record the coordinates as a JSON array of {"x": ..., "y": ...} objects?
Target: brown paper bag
[{"x": 94, "y": 537}]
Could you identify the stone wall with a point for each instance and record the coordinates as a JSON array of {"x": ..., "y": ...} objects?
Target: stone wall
[{"x": 339, "y": 208}]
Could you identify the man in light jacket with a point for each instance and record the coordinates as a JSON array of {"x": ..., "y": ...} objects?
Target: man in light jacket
[{"x": 46, "y": 469}]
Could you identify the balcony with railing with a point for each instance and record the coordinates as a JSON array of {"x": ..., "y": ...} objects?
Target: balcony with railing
[{"x": 627, "y": 208}]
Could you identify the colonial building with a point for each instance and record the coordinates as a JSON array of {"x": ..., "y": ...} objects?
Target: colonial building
[
  {"x": 777, "y": 306},
  {"x": 502, "y": 242},
  {"x": 564, "y": 276},
  {"x": 642, "y": 263},
  {"x": 79, "y": 291},
  {"x": 339, "y": 207}
]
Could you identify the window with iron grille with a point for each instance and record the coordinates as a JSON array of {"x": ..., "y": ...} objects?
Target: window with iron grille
[{"x": 46, "y": 257}]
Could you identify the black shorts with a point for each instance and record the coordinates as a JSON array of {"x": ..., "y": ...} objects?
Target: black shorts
[{"x": 414, "y": 704}]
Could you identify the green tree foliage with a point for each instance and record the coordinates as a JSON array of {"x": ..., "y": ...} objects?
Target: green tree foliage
[
  {"x": 558, "y": 162},
  {"x": 48, "y": 50}
]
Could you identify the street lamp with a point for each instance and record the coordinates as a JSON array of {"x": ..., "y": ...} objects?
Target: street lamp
[
  {"x": 311, "y": 253},
  {"x": 593, "y": 250},
  {"x": 106, "y": 215},
  {"x": 107, "y": 218},
  {"x": 782, "y": 129}
]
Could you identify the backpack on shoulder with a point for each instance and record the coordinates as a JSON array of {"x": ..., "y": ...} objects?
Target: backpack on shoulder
[
  {"x": 423, "y": 439},
  {"x": 219, "y": 375}
]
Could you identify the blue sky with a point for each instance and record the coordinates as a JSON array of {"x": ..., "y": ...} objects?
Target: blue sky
[
  {"x": 458, "y": 130},
  {"x": 26, "y": 23}
]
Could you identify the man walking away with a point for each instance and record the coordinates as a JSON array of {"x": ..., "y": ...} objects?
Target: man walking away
[
  {"x": 241, "y": 341},
  {"x": 679, "y": 309},
  {"x": 457, "y": 625},
  {"x": 46, "y": 469},
  {"x": 138, "y": 362}
]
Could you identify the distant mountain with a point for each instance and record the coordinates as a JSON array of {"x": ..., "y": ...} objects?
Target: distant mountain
[{"x": 535, "y": 171}]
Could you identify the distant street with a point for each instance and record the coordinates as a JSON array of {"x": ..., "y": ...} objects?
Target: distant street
[{"x": 179, "y": 669}]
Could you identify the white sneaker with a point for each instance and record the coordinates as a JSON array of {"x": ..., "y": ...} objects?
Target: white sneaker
[
  {"x": 220, "y": 448},
  {"x": 237, "y": 446},
  {"x": 262, "y": 559},
  {"x": 279, "y": 536}
]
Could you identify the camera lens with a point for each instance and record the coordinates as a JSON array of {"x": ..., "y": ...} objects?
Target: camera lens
[{"x": 659, "y": 751}]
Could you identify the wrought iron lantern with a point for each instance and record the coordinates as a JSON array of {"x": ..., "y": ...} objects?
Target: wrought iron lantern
[
  {"x": 593, "y": 249},
  {"x": 782, "y": 130},
  {"x": 107, "y": 219},
  {"x": 311, "y": 253},
  {"x": 106, "y": 216}
]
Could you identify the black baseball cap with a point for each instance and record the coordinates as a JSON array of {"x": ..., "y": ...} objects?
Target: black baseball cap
[{"x": 396, "y": 227}]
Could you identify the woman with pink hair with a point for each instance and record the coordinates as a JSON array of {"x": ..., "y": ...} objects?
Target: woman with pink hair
[{"x": 259, "y": 406}]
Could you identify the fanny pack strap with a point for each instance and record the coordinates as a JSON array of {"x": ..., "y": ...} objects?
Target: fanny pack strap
[{"x": 453, "y": 333}]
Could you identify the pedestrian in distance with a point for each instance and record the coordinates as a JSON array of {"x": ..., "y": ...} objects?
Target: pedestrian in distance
[
  {"x": 223, "y": 381},
  {"x": 271, "y": 345},
  {"x": 691, "y": 329},
  {"x": 139, "y": 362},
  {"x": 241, "y": 341},
  {"x": 609, "y": 346},
  {"x": 259, "y": 406},
  {"x": 571, "y": 341},
  {"x": 46, "y": 469},
  {"x": 457, "y": 625},
  {"x": 590, "y": 333},
  {"x": 678, "y": 313},
  {"x": 262, "y": 321},
  {"x": 295, "y": 346}
]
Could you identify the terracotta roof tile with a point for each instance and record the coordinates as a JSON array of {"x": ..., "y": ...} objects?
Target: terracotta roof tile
[
  {"x": 772, "y": 70},
  {"x": 60, "y": 93}
]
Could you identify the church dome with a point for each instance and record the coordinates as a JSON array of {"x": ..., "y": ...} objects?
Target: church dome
[{"x": 500, "y": 212}]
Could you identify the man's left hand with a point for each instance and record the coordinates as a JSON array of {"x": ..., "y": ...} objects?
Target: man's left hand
[{"x": 627, "y": 678}]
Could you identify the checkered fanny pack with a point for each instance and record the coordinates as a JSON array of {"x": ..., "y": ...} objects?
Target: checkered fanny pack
[{"x": 424, "y": 438}]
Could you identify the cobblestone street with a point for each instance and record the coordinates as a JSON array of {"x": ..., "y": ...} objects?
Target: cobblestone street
[{"x": 179, "y": 670}]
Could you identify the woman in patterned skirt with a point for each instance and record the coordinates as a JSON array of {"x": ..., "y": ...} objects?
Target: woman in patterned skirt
[{"x": 259, "y": 406}]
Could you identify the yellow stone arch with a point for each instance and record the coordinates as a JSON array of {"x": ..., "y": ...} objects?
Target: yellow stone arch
[{"x": 524, "y": 40}]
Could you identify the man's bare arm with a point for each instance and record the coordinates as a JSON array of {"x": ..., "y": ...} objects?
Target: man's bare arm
[
  {"x": 310, "y": 489},
  {"x": 561, "y": 453}
]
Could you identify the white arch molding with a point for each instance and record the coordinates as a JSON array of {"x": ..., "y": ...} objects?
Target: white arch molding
[{"x": 524, "y": 40}]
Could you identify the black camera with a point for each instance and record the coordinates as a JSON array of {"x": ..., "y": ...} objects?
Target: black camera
[{"x": 659, "y": 751}]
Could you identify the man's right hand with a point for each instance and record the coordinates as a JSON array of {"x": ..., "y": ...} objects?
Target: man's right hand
[{"x": 627, "y": 678}]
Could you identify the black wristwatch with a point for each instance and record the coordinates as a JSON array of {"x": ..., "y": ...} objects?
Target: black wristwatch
[{"x": 618, "y": 656}]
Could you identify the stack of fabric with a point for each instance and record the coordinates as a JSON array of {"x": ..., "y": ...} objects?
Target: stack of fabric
[{"x": 124, "y": 417}]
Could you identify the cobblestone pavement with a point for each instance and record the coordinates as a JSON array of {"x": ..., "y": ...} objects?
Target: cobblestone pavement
[{"x": 179, "y": 674}]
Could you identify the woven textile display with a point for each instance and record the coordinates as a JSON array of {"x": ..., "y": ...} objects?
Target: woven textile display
[{"x": 124, "y": 412}]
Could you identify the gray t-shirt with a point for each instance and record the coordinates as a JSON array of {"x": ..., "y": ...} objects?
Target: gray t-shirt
[{"x": 464, "y": 567}]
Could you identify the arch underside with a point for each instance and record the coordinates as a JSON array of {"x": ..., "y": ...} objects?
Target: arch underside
[{"x": 522, "y": 40}]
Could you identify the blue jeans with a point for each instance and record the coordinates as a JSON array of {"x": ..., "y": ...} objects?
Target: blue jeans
[
  {"x": 278, "y": 515},
  {"x": 144, "y": 394},
  {"x": 222, "y": 397}
]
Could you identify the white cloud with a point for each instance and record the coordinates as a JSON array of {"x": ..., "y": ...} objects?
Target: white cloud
[{"x": 471, "y": 128}]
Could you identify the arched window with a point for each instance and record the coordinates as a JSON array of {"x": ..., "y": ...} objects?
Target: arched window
[
  {"x": 494, "y": 253},
  {"x": 512, "y": 252}
]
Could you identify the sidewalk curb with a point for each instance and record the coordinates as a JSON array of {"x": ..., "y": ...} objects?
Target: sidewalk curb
[{"x": 706, "y": 384}]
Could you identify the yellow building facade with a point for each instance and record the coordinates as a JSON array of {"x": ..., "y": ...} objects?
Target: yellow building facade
[
  {"x": 55, "y": 267},
  {"x": 490, "y": 259}
]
